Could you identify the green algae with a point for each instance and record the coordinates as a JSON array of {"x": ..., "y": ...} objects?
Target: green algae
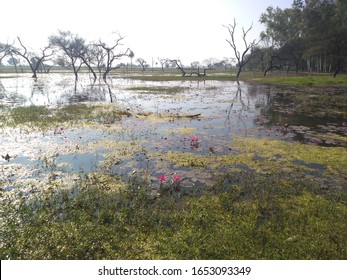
[
  {"x": 183, "y": 130},
  {"x": 266, "y": 156},
  {"x": 187, "y": 159},
  {"x": 333, "y": 158},
  {"x": 158, "y": 90}
]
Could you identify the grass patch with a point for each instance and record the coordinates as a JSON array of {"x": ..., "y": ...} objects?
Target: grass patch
[
  {"x": 163, "y": 77},
  {"x": 258, "y": 217},
  {"x": 247, "y": 76},
  {"x": 321, "y": 80},
  {"x": 42, "y": 117},
  {"x": 330, "y": 103},
  {"x": 278, "y": 154},
  {"x": 324, "y": 165},
  {"x": 161, "y": 90}
]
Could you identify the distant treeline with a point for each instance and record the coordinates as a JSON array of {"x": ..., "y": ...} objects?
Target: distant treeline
[{"x": 309, "y": 36}]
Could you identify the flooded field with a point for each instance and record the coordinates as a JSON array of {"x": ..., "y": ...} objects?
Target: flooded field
[
  {"x": 189, "y": 130},
  {"x": 138, "y": 169}
]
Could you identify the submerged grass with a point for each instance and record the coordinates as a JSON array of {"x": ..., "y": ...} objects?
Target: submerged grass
[
  {"x": 259, "y": 217},
  {"x": 266, "y": 156},
  {"x": 171, "y": 77},
  {"x": 156, "y": 90},
  {"x": 42, "y": 117}
]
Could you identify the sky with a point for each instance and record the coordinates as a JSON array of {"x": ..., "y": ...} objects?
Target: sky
[{"x": 189, "y": 30}]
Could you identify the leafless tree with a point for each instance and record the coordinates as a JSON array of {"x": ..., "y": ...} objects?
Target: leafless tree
[
  {"x": 209, "y": 62},
  {"x": 179, "y": 65},
  {"x": 35, "y": 61},
  {"x": 88, "y": 56},
  {"x": 185, "y": 72},
  {"x": 195, "y": 64},
  {"x": 111, "y": 55},
  {"x": 99, "y": 55},
  {"x": 131, "y": 55},
  {"x": 163, "y": 62},
  {"x": 72, "y": 46},
  {"x": 242, "y": 59},
  {"x": 4, "y": 51},
  {"x": 143, "y": 63},
  {"x": 13, "y": 61}
]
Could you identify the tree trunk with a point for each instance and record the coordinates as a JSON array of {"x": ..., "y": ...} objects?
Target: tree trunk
[
  {"x": 104, "y": 75},
  {"x": 90, "y": 68},
  {"x": 338, "y": 67},
  {"x": 238, "y": 72}
]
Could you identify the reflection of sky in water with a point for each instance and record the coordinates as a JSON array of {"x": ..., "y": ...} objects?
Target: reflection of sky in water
[
  {"x": 222, "y": 113},
  {"x": 58, "y": 89},
  {"x": 225, "y": 110},
  {"x": 220, "y": 104}
]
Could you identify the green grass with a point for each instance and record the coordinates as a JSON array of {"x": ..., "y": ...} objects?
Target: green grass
[
  {"x": 155, "y": 90},
  {"x": 42, "y": 117},
  {"x": 163, "y": 78},
  {"x": 278, "y": 78},
  {"x": 242, "y": 217},
  {"x": 256, "y": 215},
  {"x": 317, "y": 80}
]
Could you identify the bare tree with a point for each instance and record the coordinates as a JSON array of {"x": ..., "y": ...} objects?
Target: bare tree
[
  {"x": 210, "y": 62},
  {"x": 35, "y": 61},
  {"x": 163, "y": 62},
  {"x": 72, "y": 46},
  {"x": 143, "y": 63},
  {"x": 4, "y": 51},
  {"x": 13, "y": 61},
  {"x": 195, "y": 64},
  {"x": 111, "y": 55},
  {"x": 184, "y": 72},
  {"x": 88, "y": 55},
  {"x": 99, "y": 55},
  {"x": 242, "y": 59},
  {"x": 178, "y": 64},
  {"x": 131, "y": 55}
]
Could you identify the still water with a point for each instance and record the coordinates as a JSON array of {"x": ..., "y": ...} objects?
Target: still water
[{"x": 220, "y": 110}]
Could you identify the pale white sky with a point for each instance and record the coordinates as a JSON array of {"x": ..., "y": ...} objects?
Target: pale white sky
[{"x": 186, "y": 29}]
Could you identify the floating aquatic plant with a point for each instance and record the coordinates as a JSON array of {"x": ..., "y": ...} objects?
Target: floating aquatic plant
[
  {"x": 162, "y": 178},
  {"x": 173, "y": 184}
]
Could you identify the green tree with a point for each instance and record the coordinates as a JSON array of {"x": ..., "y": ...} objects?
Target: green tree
[
  {"x": 314, "y": 31},
  {"x": 286, "y": 30},
  {"x": 326, "y": 23}
]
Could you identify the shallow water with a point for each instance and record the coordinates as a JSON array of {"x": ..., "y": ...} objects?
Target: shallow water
[{"x": 223, "y": 109}]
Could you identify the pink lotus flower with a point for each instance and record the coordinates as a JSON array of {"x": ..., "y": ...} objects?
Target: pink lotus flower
[
  {"x": 194, "y": 142},
  {"x": 176, "y": 183},
  {"x": 162, "y": 178},
  {"x": 176, "y": 178}
]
